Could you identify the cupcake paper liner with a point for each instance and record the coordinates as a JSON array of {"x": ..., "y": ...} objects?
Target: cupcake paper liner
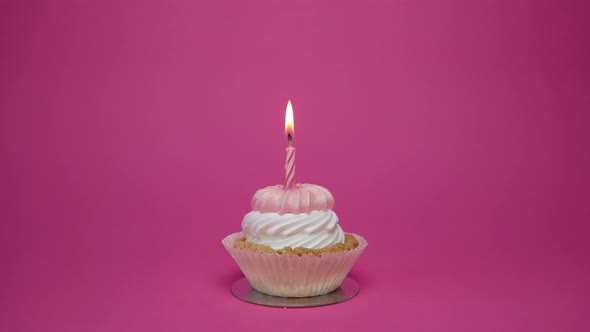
[{"x": 294, "y": 276}]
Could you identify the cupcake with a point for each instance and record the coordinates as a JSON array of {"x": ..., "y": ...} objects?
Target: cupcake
[{"x": 291, "y": 243}]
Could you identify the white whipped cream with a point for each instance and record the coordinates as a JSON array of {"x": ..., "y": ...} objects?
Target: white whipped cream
[{"x": 317, "y": 229}]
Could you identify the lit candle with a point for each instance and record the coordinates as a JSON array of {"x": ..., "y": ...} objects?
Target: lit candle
[{"x": 290, "y": 162}]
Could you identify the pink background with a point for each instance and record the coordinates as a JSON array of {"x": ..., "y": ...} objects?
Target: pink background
[{"x": 453, "y": 135}]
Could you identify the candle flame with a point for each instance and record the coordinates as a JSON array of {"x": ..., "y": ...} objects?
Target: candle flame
[{"x": 289, "y": 121}]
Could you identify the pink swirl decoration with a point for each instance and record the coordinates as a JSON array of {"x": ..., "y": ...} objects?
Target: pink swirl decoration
[{"x": 302, "y": 198}]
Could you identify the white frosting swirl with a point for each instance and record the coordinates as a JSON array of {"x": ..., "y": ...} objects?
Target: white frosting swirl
[{"x": 317, "y": 229}]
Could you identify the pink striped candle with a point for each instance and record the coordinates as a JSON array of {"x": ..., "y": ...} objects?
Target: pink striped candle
[{"x": 290, "y": 161}]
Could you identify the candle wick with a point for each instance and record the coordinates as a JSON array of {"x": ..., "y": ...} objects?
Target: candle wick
[{"x": 289, "y": 139}]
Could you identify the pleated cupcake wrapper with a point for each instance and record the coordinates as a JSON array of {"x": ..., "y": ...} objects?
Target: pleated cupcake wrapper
[{"x": 294, "y": 276}]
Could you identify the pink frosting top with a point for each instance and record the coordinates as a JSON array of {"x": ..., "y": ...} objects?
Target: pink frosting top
[{"x": 303, "y": 198}]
